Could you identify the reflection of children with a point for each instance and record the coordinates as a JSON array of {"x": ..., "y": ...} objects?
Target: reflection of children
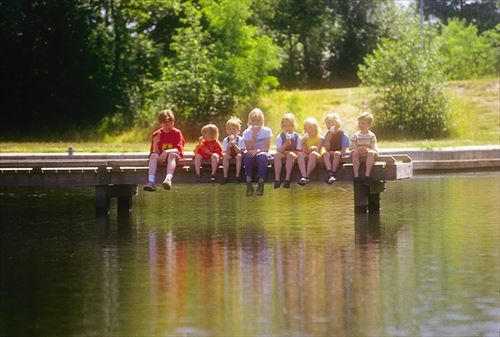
[
  {"x": 232, "y": 147},
  {"x": 363, "y": 147},
  {"x": 336, "y": 144},
  {"x": 312, "y": 144},
  {"x": 208, "y": 147},
  {"x": 288, "y": 144},
  {"x": 167, "y": 145},
  {"x": 257, "y": 139}
]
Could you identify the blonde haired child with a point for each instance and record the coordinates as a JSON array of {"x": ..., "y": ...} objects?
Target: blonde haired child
[
  {"x": 232, "y": 147},
  {"x": 363, "y": 147},
  {"x": 208, "y": 147},
  {"x": 336, "y": 144},
  {"x": 167, "y": 146},
  {"x": 257, "y": 139},
  {"x": 288, "y": 145},
  {"x": 312, "y": 144}
]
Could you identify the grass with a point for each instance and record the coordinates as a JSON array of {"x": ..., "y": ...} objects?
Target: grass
[{"x": 474, "y": 107}]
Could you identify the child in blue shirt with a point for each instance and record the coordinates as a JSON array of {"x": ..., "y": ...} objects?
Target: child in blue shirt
[{"x": 288, "y": 144}]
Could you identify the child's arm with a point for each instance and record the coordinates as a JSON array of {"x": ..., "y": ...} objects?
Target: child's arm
[
  {"x": 267, "y": 144},
  {"x": 373, "y": 142},
  {"x": 345, "y": 143},
  {"x": 280, "y": 145},
  {"x": 354, "y": 143},
  {"x": 328, "y": 141}
]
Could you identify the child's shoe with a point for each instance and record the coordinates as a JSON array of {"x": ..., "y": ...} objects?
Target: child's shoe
[
  {"x": 212, "y": 179},
  {"x": 249, "y": 192},
  {"x": 358, "y": 180},
  {"x": 286, "y": 184},
  {"x": 149, "y": 186},
  {"x": 237, "y": 180},
  {"x": 303, "y": 181},
  {"x": 332, "y": 178},
  {"x": 198, "y": 178},
  {"x": 167, "y": 184},
  {"x": 277, "y": 183},
  {"x": 367, "y": 180},
  {"x": 260, "y": 189},
  {"x": 224, "y": 181}
]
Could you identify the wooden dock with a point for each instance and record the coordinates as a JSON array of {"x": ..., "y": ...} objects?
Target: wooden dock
[{"x": 118, "y": 175}]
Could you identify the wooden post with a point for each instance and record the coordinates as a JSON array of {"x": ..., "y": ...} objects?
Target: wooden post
[
  {"x": 376, "y": 187},
  {"x": 360, "y": 198},
  {"x": 102, "y": 197}
]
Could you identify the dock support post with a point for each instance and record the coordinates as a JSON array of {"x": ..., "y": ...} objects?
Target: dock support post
[
  {"x": 367, "y": 197},
  {"x": 124, "y": 194},
  {"x": 360, "y": 198},
  {"x": 102, "y": 197}
]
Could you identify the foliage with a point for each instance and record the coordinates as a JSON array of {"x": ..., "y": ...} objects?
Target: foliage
[
  {"x": 407, "y": 76},
  {"x": 221, "y": 67},
  {"x": 467, "y": 54}
]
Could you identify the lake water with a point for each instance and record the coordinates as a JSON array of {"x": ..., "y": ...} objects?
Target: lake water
[{"x": 208, "y": 261}]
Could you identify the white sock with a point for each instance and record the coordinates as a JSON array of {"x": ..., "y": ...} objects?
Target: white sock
[
  {"x": 169, "y": 176},
  {"x": 151, "y": 178}
]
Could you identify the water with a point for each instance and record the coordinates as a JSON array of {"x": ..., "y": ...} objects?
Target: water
[{"x": 207, "y": 261}]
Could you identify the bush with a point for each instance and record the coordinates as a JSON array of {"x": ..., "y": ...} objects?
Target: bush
[
  {"x": 466, "y": 54},
  {"x": 407, "y": 77}
]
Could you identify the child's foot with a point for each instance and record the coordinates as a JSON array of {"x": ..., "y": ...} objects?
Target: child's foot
[
  {"x": 237, "y": 180},
  {"x": 332, "y": 178},
  {"x": 249, "y": 192},
  {"x": 277, "y": 184},
  {"x": 149, "y": 186},
  {"x": 212, "y": 178},
  {"x": 357, "y": 180},
  {"x": 167, "y": 184},
  {"x": 260, "y": 189},
  {"x": 366, "y": 180},
  {"x": 303, "y": 181},
  {"x": 198, "y": 178},
  {"x": 224, "y": 181},
  {"x": 286, "y": 184}
]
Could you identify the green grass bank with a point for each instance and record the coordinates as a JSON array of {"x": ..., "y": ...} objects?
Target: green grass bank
[{"x": 474, "y": 108}]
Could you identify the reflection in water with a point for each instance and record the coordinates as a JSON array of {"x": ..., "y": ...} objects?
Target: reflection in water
[{"x": 207, "y": 261}]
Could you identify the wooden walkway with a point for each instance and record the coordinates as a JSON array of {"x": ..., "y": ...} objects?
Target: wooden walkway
[{"x": 118, "y": 175}]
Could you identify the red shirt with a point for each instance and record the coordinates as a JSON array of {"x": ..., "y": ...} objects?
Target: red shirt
[
  {"x": 213, "y": 146},
  {"x": 168, "y": 140}
]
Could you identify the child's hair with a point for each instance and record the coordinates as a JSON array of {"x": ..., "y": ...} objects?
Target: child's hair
[
  {"x": 165, "y": 116},
  {"x": 289, "y": 117},
  {"x": 312, "y": 122},
  {"x": 333, "y": 118},
  {"x": 210, "y": 131},
  {"x": 366, "y": 116},
  {"x": 234, "y": 121},
  {"x": 257, "y": 114}
]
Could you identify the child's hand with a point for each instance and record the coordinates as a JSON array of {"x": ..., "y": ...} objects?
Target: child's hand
[
  {"x": 313, "y": 148},
  {"x": 163, "y": 156},
  {"x": 207, "y": 151},
  {"x": 200, "y": 138}
]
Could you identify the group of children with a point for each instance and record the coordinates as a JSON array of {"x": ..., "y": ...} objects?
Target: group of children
[{"x": 252, "y": 149}]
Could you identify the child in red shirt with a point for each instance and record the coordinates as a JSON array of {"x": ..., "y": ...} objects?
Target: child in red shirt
[
  {"x": 208, "y": 147},
  {"x": 167, "y": 145}
]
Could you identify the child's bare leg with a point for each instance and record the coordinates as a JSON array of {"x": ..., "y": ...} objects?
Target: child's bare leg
[
  {"x": 225, "y": 164},
  {"x": 197, "y": 163},
  {"x": 370, "y": 159},
  {"x": 171, "y": 163},
  {"x": 153, "y": 163},
  {"x": 336, "y": 160},
  {"x": 312, "y": 162},
  {"x": 355, "y": 163},
  {"x": 302, "y": 164},
  {"x": 214, "y": 161},
  {"x": 290, "y": 158},
  {"x": 328, "y": 161},
  {"x": 277, "y": 165},
  {"x": 238, "y": 165}
]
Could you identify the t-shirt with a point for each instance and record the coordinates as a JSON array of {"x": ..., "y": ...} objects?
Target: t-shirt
[
  {"x": 239, "y": 141},
  {"x": 213, "y": 146},
  {"x": 263, "y": 134},
  {"x": 312, "y": 141},
  {"x": 367, "y": 139},
  {"x": 296, "y": 142},
  {"x": 168, "y": 140},
  {"x": 345, "y": 143}
]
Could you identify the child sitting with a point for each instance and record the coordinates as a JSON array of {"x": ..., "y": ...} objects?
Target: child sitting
[
  {"x": 167, "y": 145},
  {"x": 363, "y": 147},
  {"x": 336, "y": 145},
  {"x": 232, "y": 147},
  {"x": 208, "y": 147},
  {"x": 288, "y": 144},
  {"x": 312, "y": 144},
  {"x": 257, "y": 139}
]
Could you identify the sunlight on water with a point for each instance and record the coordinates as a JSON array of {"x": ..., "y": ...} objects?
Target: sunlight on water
[{"x": 207, "y": 261}]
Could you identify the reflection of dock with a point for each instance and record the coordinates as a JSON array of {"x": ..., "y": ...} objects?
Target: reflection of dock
[{"x": 117, "y": 175}]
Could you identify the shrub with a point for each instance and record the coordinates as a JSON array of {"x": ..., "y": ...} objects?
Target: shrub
[{"x": 407, "y": 77}]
